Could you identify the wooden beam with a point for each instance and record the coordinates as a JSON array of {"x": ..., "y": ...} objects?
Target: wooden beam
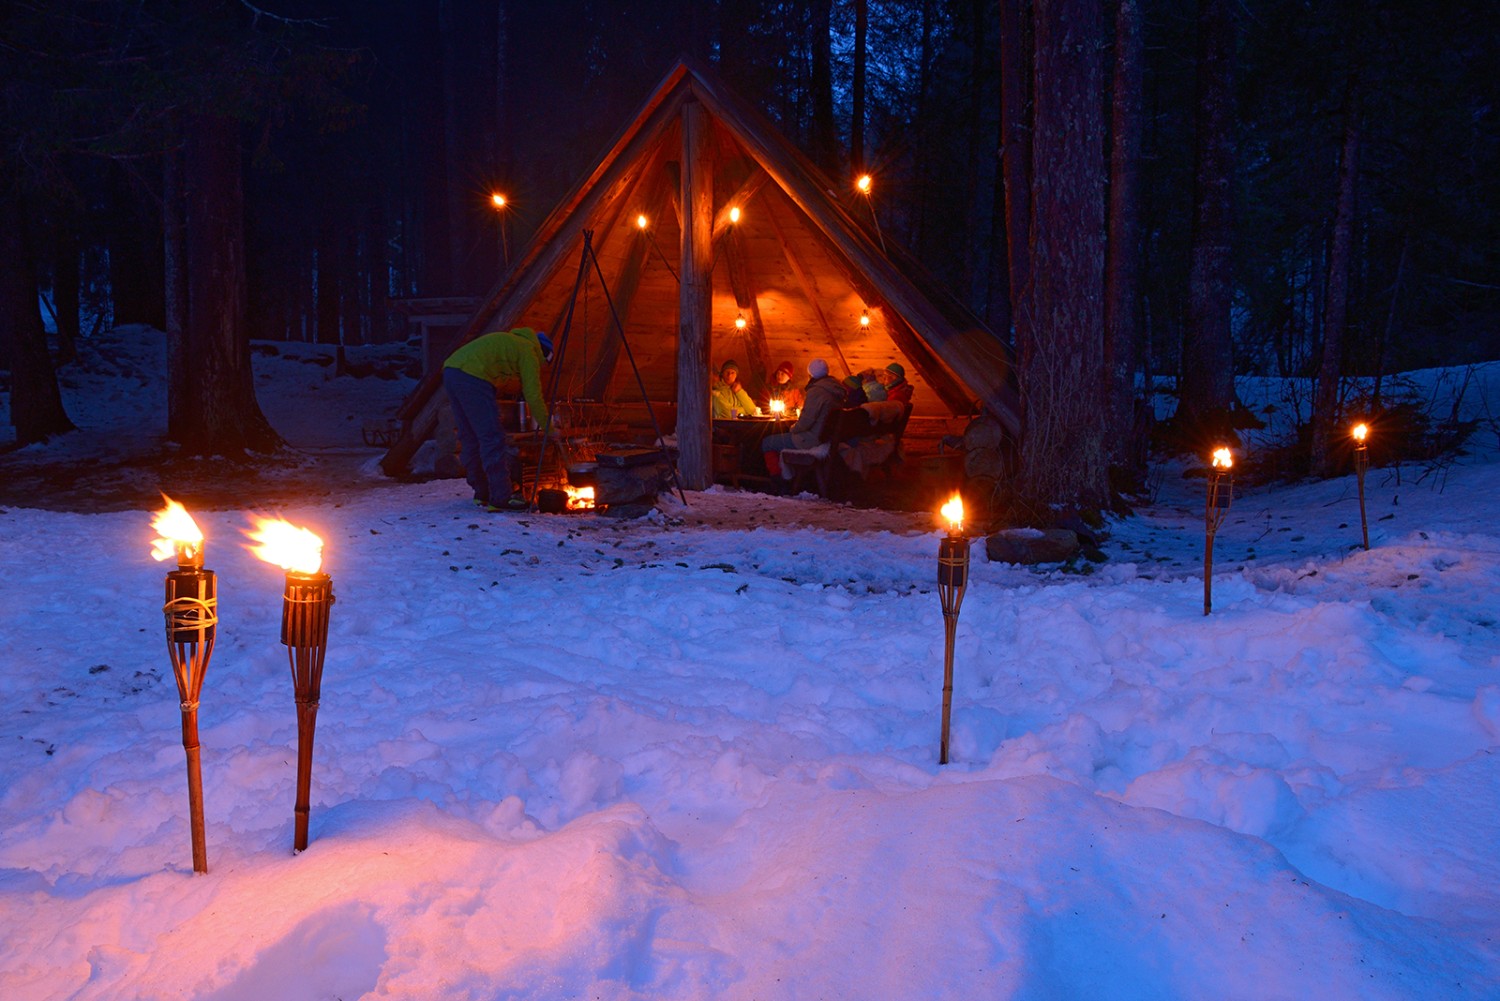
[
  {"x": 741, "y": 199},
  {"x": 695, "y": 302},
  {"x": 627, "y": 283},
  {"x": 757, "y": 351},
  {"x": 808, "y": 288}
]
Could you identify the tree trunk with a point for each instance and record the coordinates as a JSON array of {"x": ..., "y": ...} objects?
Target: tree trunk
[
  {"x": 694, "y": 344},
  {"x": 824, "y": 138},
  {"x": 857, "y": 116},
  {"x": 1064, "y": 452},
  {"x": 1336, "y": 301},
  {"x": 1122, "y": 297},
  {"x": 66, "y": 288},
  {"x": 1015, "y": 162},
  {"x": 218, "y": 412},
  {"x": 36, "y": 408},
  {"x": 1207, "y": 379},
  {"x": 453, "y": 183}
]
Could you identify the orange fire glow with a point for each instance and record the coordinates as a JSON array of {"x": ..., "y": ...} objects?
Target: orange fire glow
[
  {"x": 778, "y": 408},
  {"x": 1223, "y": 458},
  {"x": 580, "y": 498},
  {"x": 286, "y": 545},
  {"x": 497, "y": 200},
  {"x": 954, "y": 512},
  {"x": 863, "y": 184},
  {"x": 1361, "y": 432},
  {"x": 178, "y": 534}
]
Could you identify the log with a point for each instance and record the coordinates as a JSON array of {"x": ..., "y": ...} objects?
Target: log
[{"x": 984, "y": 462}]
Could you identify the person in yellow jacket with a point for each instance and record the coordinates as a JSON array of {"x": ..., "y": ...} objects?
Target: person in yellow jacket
[
  {"x": 727, "y": 394},
  {"x": 501, "y": 359}
]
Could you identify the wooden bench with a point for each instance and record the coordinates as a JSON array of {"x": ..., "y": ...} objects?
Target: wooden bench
[{"x": 851, "y": 434}]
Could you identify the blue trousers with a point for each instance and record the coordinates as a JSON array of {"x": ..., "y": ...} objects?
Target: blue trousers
[{"x": 491, "y": 466}]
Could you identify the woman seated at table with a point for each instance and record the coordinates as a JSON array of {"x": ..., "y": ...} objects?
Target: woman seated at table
[
  {"x": 781, "y": 388},
  {"x": 728, "y": 396},
  {"x": 825, "y": 396},
  {"x": 893, "y": 377}
]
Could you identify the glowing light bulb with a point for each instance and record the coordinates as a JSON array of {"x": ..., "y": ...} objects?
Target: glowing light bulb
[
  {"x": 497, "y": 200},
  {"x": 734, "y": 214},
  {"x": 640, "y": 221},
  {"x": 863, "y": 184},
  {"x": 739, "y": 321},
  {"x": 864, "y": 318}
]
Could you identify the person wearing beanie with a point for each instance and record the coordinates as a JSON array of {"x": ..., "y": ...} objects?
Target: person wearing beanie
[
  {"x": 893, "y": 378},
  {"x": 825, "y": 396},
  {"x": 510, "y": 361},
  {"x": 781, "y": 388},
  {"x": 869, "y": 381},
  {"x": 727, "y": 394}
]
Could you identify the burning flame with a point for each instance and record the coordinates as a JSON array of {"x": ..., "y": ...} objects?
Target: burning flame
[
  {"x": 1223, "y": 459},
  {"x": 863, "y": 184},
  {"x": 954, "y": 512},
  {"x": 580, "y": 498},
  {"x": 178, "y": 533},
  {"x": 1360, "y": 433},
  {"x": 287, "y": 546},
  {"x": 778, "y": 407}
]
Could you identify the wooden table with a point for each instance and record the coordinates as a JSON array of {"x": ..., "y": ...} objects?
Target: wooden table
[{"x": 744, "y": 435}]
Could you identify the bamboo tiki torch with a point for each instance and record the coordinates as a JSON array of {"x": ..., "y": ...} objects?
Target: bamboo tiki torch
[
  {"x": 192, "y": 618},
  {"x": 1362, "y": 463},
  {"x": 953, "y": 580},
  {"x": 1220, "y": 493},
  {"x": 304, "y": 632}
]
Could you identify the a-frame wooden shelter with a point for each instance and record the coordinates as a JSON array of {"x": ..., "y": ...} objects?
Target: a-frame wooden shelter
[{"x": 702, "y": 214}]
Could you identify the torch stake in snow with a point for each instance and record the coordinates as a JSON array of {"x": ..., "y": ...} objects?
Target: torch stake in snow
[
  {"x": 305, "y": 608},
  {"x": 192, "y": 618},
  {"x": 1362, "y": 463},
  {"x": 953, "y": 580},
  {"x": 304, "y": 632},
  {"x": 1220, "y": 493}
]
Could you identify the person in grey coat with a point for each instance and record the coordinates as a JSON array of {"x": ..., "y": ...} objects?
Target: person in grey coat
[{"x": 825, "y": 396}]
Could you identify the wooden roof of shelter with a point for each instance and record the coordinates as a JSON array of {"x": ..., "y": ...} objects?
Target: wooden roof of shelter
[{"x": 801, "y": 266}]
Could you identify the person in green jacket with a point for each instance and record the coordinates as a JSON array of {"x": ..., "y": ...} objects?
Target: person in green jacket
[{"x": 507, "y": 359}]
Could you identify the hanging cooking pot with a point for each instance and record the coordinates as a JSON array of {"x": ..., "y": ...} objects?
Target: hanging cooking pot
[{"x": 583, "y": 474}]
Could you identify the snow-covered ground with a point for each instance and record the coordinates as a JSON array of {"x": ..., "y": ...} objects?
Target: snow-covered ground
[{"x": 573, "y": 757}]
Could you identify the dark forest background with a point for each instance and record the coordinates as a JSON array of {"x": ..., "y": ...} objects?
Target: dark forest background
[{"x": 1123, "y": 189}]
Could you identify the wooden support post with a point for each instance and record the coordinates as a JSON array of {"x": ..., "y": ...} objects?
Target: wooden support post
[{"x": 695, "y": 303}]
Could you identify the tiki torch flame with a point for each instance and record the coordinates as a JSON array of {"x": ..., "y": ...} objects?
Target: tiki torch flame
[
  {"x": 178, "y": 535},
  {"x": 954, "y": 512},
  {"x": 1361, "y": 432},
  {"x": 1223, "y": 459},
  {"x": 285, "y": 545}
]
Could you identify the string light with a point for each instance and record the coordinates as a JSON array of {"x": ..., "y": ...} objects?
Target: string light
[
  {"x": 641, "y": 221},
  {"x": 739, "y": 321},
  {"x": 864, "y": 318},
  {"x": 734, "y": 214},
  {"x": 497, "y": 200}
]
